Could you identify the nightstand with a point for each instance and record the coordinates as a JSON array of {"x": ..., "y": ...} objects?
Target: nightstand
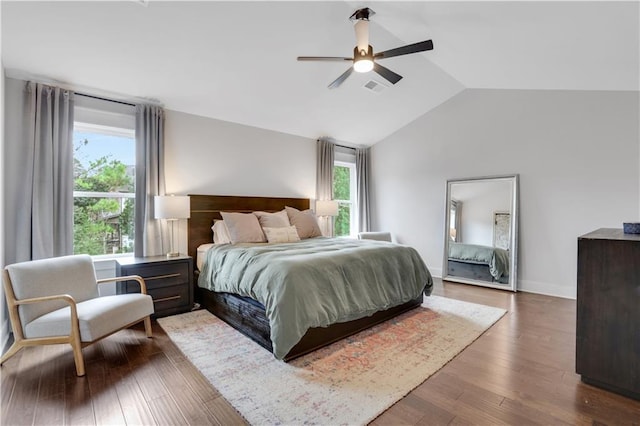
[{"x": 168, "y": 279}]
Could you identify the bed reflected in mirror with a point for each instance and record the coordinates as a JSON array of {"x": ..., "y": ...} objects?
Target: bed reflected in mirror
[{"x": 481, "y": 231}]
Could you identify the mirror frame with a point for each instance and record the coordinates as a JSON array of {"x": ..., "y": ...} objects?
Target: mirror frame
[{"x": 513, "y": 258}]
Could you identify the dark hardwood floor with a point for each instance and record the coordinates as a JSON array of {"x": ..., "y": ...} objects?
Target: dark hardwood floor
[{"x": 519, "y": 372}]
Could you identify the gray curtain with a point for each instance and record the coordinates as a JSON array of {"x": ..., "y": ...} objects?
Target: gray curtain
[
  {"x": 363, "y": 166},
  {"x": 38, "y": 177},
  {"x": 150, "y": 235},
  {"x": 456, "y": 207},
  {"x": 324, "y": 179}
]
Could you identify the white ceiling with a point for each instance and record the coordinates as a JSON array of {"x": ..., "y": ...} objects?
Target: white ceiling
[{"x": 236, "y": 61}]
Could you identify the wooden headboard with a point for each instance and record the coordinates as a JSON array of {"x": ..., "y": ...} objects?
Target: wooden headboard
[{"x": 206, "y": 208}]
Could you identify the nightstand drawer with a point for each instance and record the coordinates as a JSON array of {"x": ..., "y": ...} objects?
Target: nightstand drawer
[
  {"x": 157, "y": 276},
  {"x": 169, "y": 297},
  {"x": 169, "y": 281}
]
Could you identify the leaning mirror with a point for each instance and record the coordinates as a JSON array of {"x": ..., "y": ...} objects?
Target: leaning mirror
[{"x": 481, "y": 232}]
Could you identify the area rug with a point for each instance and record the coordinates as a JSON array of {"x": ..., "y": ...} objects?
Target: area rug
[{"x": 349, "y": 382}]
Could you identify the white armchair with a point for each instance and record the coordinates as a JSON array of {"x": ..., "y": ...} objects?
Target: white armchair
[{"x": 56, "y": 300}]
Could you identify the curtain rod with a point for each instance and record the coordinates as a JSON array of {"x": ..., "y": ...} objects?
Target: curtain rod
[
  {"x": 337, "y": 144},
  {"x": 105, "y": 99},
  {"x": 344, "y": 146}
]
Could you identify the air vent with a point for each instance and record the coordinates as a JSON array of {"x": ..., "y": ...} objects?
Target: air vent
[{"x": 374, "y": 86}]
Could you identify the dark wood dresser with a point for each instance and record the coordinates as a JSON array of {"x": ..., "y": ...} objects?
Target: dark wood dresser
[
  {"x": 608, "y": 311},
  {"x": 168, "y": 279}
]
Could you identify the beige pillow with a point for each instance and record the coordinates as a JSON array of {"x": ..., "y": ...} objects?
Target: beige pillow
[
  {"x": 273, "y": 220},
  {"x": 305, "y": 222},
  {"x": 243, "y": 228},
  {"x": 288, "y": 234},
  {"x": 220, "y": 232}
]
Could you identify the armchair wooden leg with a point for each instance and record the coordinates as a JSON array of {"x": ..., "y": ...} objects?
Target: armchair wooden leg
[
  {"x": 147, "y": 326},
  {"x": 76, "y": 345},
  {"x": 15, "y": 347},
  {"x": 79, "y": 360}
]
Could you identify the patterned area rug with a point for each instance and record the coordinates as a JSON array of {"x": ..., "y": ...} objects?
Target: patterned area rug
[{"x": 349, "y": 382}]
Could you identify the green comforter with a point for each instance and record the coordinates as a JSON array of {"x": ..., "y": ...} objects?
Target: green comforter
[
  {"x": 316, "y": 282},
  {"x": 496, "y": 258}
]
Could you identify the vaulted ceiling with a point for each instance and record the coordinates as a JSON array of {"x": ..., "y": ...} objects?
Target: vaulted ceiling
[{"x": 236, "y": 61}]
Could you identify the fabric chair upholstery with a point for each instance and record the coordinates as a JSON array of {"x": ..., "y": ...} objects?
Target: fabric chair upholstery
[
  {"x": 72, "y": 275},
  {"x": 56, "y": 300},
  {"x": 97, "y": 317},
  {"x": 378, "y": 236}
]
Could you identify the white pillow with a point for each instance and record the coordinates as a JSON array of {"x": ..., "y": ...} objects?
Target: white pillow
[
  {"x": 220, "y": 232},
  {"x": 273, "y": 220},
  {"x": 281, "y": 235},
  {"x": 243, "y": 228}
]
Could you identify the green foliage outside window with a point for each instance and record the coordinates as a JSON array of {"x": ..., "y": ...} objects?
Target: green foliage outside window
[
  {"x": 341, "y": 191},
  {"x": 102, "y": 225}
]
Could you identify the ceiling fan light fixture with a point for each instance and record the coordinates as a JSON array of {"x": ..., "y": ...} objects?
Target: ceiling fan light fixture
[
  {"x": 363, "y": 60},
  {"x": 363, "y": 65}
]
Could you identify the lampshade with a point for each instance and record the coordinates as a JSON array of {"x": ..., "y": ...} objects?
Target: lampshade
[
  {"x": 171, "y": 207},
  {"x": 326, "y": 208}
]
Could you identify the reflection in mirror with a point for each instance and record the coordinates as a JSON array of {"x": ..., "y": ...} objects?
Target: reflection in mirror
[{"x": 481, "y": 231}]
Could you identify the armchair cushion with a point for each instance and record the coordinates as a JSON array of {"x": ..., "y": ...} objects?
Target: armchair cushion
[
  {"x": 97, "y": 317},
  {"x": 72, "y": 275}
]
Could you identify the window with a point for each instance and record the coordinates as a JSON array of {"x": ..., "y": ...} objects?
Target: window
[
  {"x": 344, "y": 191},
  {"x": 104, "y": 189}
]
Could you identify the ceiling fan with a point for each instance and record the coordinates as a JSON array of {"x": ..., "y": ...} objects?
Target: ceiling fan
[{"x": 364, "y": 60}]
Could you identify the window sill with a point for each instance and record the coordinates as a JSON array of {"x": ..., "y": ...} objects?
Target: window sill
[{"x": 107, "y": 257}]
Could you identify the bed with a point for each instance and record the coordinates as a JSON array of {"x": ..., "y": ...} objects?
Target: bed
[
  {"x": 484, "y": 263},
  {"x": 252, "y": 317}
]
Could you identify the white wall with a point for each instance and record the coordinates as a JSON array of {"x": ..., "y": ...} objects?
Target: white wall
[
  {"x": 208, "y": 156},
  {"x": 576, "y": 152}
]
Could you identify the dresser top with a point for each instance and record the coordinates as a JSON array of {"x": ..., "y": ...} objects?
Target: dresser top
[{"x": 610, "y": 234}]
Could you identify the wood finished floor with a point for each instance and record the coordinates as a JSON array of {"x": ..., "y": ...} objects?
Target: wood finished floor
[{"x": 519, "y": 372}]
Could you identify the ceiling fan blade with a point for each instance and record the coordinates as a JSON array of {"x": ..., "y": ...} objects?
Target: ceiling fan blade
[
  {"x": 405, "y": 50},
  {"x": 323, "y": 58},
  {"x": 338, "y": 81},
  {"x": 389, "y": 75}
]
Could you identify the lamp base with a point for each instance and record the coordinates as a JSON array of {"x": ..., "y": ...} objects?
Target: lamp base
[{"x": 173, "y": 254}]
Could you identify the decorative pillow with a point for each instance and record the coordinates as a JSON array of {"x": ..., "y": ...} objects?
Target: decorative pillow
[
  {"x": 220, "y": 232},
  {"x": 288, "y": 234},
  {"x": 243, "y": 228},
  {"x": 305, "y": 222},
  {"x": 273, "y": 220}
]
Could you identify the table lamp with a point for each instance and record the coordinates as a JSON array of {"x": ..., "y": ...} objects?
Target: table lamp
[{"x": 172, "y": 208}]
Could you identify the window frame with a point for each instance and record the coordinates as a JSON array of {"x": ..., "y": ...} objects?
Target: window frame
[
  {"x": 108, "y": 130},
  {"x": 353, "y": 202}
]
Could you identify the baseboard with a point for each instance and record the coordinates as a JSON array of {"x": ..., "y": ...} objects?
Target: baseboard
[
  {"x": 528, "y": 286},
  {"x": 547, "y": 289},
  {"x": 435, "y": 272}
]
